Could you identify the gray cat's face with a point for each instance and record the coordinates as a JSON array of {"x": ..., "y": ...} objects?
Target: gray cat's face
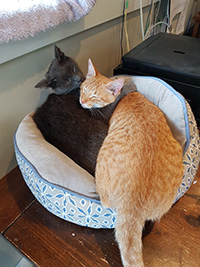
[{"x": 63, "y": 75}]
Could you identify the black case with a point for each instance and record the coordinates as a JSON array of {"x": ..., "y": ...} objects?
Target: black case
[{"x": 173, "y": 58}]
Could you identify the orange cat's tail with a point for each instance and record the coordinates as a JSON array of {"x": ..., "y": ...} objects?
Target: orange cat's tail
[{"x": 128, "y": 234}]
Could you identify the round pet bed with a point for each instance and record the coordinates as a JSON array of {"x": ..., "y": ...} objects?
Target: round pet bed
[{"x": 67, "y": 190}]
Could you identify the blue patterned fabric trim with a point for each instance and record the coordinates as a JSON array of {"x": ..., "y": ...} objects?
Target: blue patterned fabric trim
[
  {"x": 191, "y": 157},
  {"x": 63, "y": 203}
]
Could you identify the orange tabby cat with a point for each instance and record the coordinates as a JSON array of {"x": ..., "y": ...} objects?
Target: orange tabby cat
[{"x": 139, "y": 166}]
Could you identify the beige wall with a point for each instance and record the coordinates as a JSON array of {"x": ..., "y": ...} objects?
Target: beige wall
[{"x": 18, "y": 76}]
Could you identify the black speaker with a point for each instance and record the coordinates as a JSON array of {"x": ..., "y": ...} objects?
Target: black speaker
[{"x": 173, "y": 58}]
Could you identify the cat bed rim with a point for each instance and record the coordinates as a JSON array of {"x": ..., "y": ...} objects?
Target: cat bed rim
[
  {"x": 180, "y": 97},
  {"x": 93, "y": 214},
  {"x": 60, "y": 187}
]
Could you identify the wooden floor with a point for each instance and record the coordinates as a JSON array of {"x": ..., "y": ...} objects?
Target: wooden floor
[{"x": 49, "y": 241}]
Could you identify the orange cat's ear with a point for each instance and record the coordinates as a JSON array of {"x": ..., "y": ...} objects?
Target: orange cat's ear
[
  {"x": 115, "y": 86},
  {"x": 92, "y": 72}
]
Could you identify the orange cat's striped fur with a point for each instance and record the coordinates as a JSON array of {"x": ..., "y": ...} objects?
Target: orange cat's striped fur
[{"x": 139, "y": 166}]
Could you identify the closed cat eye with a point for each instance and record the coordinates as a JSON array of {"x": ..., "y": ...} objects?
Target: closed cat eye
[{"x": 95, "y": 97}]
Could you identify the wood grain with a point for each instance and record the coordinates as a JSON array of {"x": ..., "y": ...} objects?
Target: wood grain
[
  {"x": 15, "y": 198},
  {"x": 175, "y": 240},
  {"x": 50, "y": 241}
]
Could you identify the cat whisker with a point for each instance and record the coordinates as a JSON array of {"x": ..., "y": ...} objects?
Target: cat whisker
[
  {"x": 92, "y": 112},
  {"x": 110, "y": 107},
  {"x": 96, "y": 112}
]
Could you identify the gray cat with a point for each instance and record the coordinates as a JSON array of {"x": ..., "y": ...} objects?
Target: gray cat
[{"x": 77, "y": 132}]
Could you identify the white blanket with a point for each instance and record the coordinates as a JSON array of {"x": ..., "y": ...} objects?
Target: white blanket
[{"x": 20, "y": 19}]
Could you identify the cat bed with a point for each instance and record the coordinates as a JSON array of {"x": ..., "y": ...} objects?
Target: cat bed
[{"x": 67, "y": 190}]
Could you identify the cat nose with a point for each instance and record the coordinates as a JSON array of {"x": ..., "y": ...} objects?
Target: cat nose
[{"x": 82, "y": 101}]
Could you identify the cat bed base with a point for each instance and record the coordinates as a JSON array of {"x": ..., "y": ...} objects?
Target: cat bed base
[{"x": 67, "y": 190}]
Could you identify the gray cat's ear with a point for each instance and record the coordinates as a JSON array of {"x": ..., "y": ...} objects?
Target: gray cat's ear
[
  {"x": 92, "y": 72},
  {"x": 58, "y": 53},
  {"x": 115, "y": 86},
  {"x": 43, "y": 83}
]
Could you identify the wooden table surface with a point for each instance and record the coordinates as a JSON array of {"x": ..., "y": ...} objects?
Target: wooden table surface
[{"x": 50, "y": 241}]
